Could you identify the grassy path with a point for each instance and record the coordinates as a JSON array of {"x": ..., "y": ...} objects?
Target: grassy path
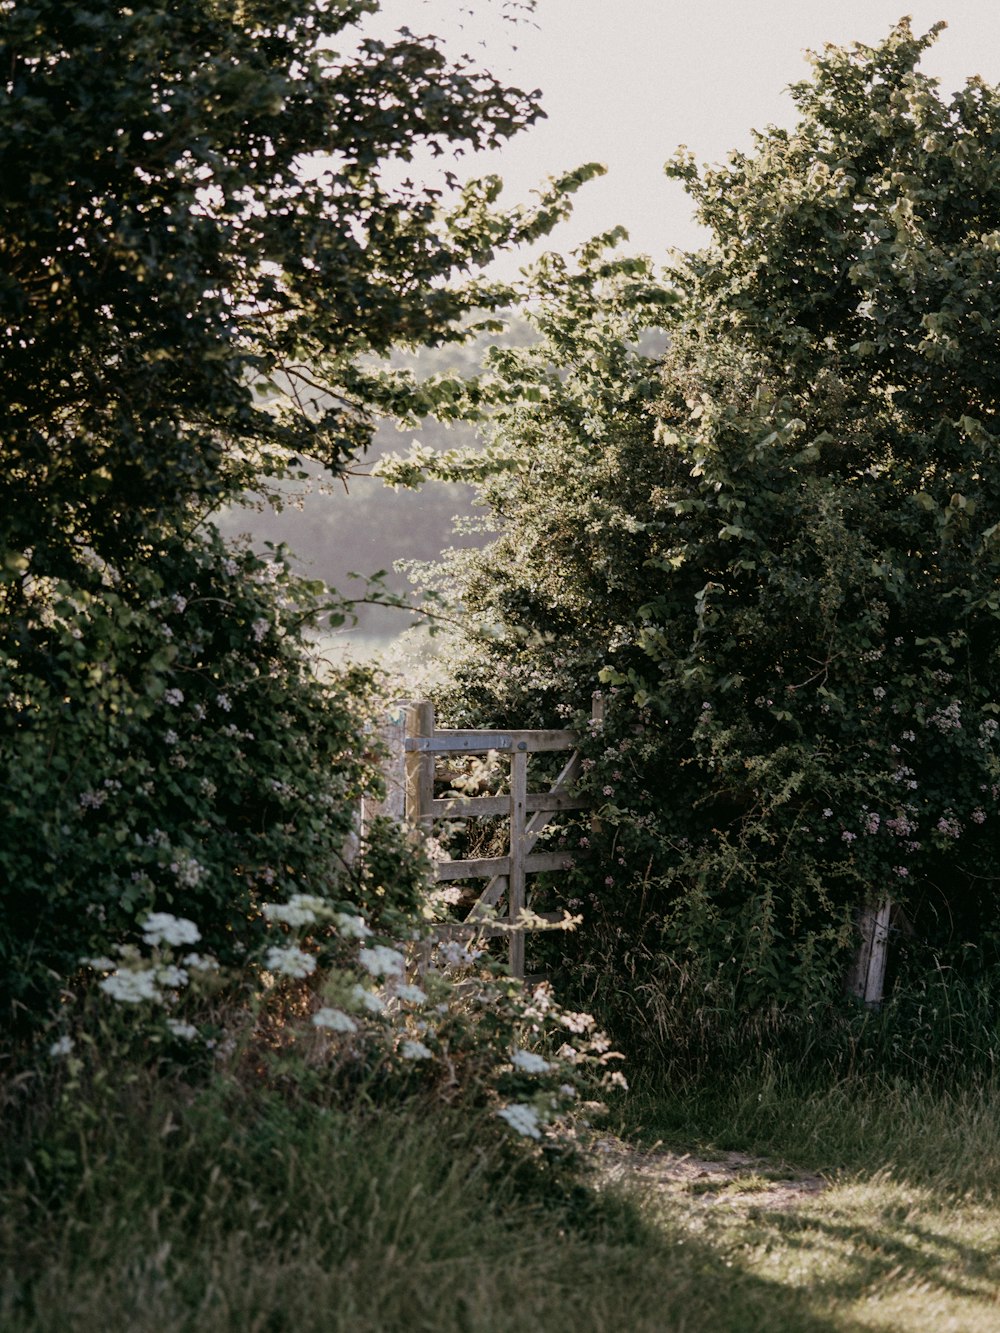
[{"x": 756, "y": 1245}]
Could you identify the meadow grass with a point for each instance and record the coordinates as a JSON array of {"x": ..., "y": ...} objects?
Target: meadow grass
[{"x": 143, "y": 1203}]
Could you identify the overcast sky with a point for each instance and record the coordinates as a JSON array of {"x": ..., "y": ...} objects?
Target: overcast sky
[{"x": 626, "y": 81}]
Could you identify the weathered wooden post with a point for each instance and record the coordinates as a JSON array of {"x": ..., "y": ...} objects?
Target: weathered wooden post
[
  {"x": 419, "y": 768},
  {"x": 866, "y": 978},
  {"x": 392, "y": 734},
  {"x": 518, "y": 854}
]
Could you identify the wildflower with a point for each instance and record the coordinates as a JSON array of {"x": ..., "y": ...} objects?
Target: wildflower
[
  {"x": 259, "y": 629},
  {"x": 300, "y": 910},
  {"x": 878, "y": 692},
  {"x": 366, "y": 999},
  {"x": 61, "y": 1047},
  {"x": 200, "y": 962},
  {"x": 415, "y": 1050},
  {"x": 847, "y": 836},
  {"x": 170, "y": 737},
  {"x": 334, "y": 1020},
  {"x": 352, "y": 926},
  {"x": 381, "y": 961},
  {"x": 618, "y": 1080},
  {"x": 872, "y": 821},
  {"x": 608, "y": 791},
  {"x": 99, "y": 964},
  {"x": 901, "y": 871},
  {"x": 949, "y": 826},
  {"x": 609, "y": 881},
  {"x": 164, "y": 928},
  {"x": 179, "y": 603},
  {"x": 130, "y": 987},
  {"x": 173, "y": 697},
  {"x": 183, "y": 1031},
  {"x": 189, "y": 872},
  {"x": 827, "y": 813},
  {"x": 411, "y": 994},
  {"x": 170, "y": 975},
  {"x": 523, "y": 1119},
  {"x": 224, "y": 702},
  {"x": 289, "y": 961},
  {"x": 578, "y": 1023},
  {"x": 92, "y": 800},
  {"x": 978, "y": 817},
  {"x": 529, "y": 1063}
]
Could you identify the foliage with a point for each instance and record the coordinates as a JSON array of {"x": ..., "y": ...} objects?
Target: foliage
[
  {"x": 785, "y": 572},
  {"x": 201, "y": 239}
]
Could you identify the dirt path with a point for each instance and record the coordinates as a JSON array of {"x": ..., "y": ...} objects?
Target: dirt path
[{"x": 734, "y": 1179}]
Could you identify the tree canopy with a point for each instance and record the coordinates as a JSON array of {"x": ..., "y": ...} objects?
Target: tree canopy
[
  {"x": 778, "y": 550},
  {"x": 201, "y": 239}
]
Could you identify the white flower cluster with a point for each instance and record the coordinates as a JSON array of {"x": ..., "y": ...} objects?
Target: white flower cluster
[
  {"x": 164, "y": 928},
  {"x": 302, "y": 909}
]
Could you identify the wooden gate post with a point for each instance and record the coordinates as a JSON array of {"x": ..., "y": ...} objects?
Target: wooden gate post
[
  {"x": 518, "y": 854},
  {"x": 419, "y": 768}
]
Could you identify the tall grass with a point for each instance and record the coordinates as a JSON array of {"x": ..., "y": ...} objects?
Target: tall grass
[{"x": 152, "y": 1205}]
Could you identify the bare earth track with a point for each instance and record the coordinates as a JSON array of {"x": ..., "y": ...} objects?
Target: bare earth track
[{"x": 731, "y": 1178}]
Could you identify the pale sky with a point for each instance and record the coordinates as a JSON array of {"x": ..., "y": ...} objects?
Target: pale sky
[{"x": 626, "y": 81}]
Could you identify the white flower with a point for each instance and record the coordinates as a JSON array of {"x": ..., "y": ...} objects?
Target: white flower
[
  {"x": 170, "y": 736},
  {"x": 170, "y": 975},
  {"x": 335, "y": 1020},
  {"x": 224, "y": 702},
  {"x": 618, "y": 1080},
  {"x": 130, "y": 987},
  {"x": 173, "y": 698},
  {"x": 415, "y": 1050},
  {"x": 189, "y": 872},
  {"x": 61, "y": 1047},
  {"x": 366, "y": 999},
  {"x": 529, "y": 1063},
  {"x": 352, "y": 926},
  {"x": 521, "y": 1118},
  {"x": 302, "y": 909},
  {"x": 381, "y": 961},
  {"x": 259, "y": 628},
  {"x": 100, "y": 964},
  {"x": 185, "y": 1031},
  {"x": 164, "y": 928},
  {"x": 201, "y": 962},
  {"x": 577, "y": 1022},
  {"x": 289, "y": 961},
  {"x": 412, "y": 994}
]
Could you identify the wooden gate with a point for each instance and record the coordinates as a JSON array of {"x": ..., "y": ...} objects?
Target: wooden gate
[{"x": 413, "y": 738}]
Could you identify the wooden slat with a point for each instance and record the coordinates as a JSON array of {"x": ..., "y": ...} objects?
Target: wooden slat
[
  {"x": 450, "y": 930},
  {"x": 458, "y": 740},
  {"x": 480, "y": 868},
  {"x": 499, "y": 866},
  {"x": 557, "y": 800},
  {"x": 547, "y": 861},
  {"x": 471, "y": 807},
  {"x": 492, "y": 807},
  {"x": 489, "y": 897}
]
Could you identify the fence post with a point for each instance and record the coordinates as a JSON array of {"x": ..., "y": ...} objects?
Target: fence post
[
  {"x": 392, "y": 734},
  {"x": 866, "y": 979},
  {"x": 518, "y": 852},
  {"x": 419, "y": 768}
]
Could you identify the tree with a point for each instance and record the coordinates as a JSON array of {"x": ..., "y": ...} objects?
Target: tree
[
  {"x": 786, "y": 572},
  {"x": 199, "y": 243}
]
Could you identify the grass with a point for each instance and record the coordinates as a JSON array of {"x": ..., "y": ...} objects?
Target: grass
[{"x": 140, "y": 1203}]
